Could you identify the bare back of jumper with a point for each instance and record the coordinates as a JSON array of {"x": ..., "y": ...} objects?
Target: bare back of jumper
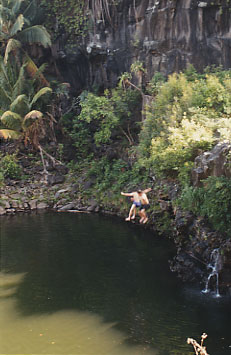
[{"x": 144, "y": 199}]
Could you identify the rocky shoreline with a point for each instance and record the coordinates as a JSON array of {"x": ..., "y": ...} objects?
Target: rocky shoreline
[{"x": 194, "y": 241}]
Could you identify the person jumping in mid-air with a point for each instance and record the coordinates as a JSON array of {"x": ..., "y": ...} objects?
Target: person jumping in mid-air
[
  {"x": 135, "y": 203},
  {"x": 144, "y": 204},
  {"x": 140, "y": 200}
]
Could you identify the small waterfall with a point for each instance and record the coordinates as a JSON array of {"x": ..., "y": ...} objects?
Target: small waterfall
[{"x": 215, "y": 267}]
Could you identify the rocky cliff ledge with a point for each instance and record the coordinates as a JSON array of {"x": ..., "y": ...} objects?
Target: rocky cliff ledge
[{"x": 165, "y": 35}]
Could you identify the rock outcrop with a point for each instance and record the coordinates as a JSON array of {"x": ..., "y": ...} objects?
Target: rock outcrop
[
  {"x": 217, "y": 163},
  {"x": 165, "y": 35}
]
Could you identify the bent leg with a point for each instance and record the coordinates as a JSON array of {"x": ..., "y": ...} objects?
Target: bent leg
[{"x": 142, "y": 215}]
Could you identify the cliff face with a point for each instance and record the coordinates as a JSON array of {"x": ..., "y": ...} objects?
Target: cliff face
[{"x": 165, "y": 35}]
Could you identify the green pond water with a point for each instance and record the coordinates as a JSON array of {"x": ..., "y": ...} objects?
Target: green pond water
[{"x": 74, "y": 283}]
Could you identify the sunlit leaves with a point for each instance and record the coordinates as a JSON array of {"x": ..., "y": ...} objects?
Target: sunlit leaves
[
  {"x": 39, "y": 94},
  {"x": 9, "y": 134},
  {"x": 11, "y": 120},
  {"x": 12, "y": 45},
  {"x": 189, "y": 113},
  {"x": 20, "y": 105},
  {"x": 17, "y": 26},
  {"x": 31, "y": 118}
]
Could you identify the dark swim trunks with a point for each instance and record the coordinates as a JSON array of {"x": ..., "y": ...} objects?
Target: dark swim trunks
[{"x": 145, "y": 207}]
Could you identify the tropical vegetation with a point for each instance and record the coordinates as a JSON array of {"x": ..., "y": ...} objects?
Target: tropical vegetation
[
  {"x": 188, "y": 113},
  {"x": 130, "y": 135}
]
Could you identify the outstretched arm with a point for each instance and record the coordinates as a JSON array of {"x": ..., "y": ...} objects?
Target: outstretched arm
[
  {"x": 127, "y": 193},
  {"x": 147, "y": 190}
]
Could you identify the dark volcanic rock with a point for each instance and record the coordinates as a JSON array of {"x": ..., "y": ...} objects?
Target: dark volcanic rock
[
  {"x": 213, "y": 163},
  {"x": 165, "y": 35}
]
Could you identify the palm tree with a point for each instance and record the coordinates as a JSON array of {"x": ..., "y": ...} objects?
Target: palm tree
[
  {"x": 18, "y": 98},
  {"x": 17, "y": 27},
  {"x": 22, "y": 120}
]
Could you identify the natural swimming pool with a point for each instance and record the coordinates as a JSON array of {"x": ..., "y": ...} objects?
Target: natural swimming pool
[{"x": 90, "y": 284}]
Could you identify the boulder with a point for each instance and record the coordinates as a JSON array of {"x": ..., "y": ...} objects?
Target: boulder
[
  {"x": 55, "y": 179},
  {"x": 67, "y": 207},
  {"x": 214, "y": 163},
  {"x": 60, "y": 192},
  {"x": 2, "y": 211},
  {"x": 14, "y": 203},
  {"x": 33, "y": 204},
  {"x": 42, "y": 205},
  {"x": 5, "y": 203}
]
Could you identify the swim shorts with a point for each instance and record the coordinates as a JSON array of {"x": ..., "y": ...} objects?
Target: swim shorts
[
  {"x": 145, "y": 207},
  {"x": 137, "y": 204}
]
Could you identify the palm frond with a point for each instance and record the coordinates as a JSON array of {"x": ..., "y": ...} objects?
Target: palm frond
[
  {"x": 5, "y": 12},
  {"x": 31, "y": 118},
  {"x": 20, "y": 105},
  {"x": 18, "y": 25},
  {"x": 35, "y": 72},
  {"x": 5, "y": 80},
  {"x": 3, "y": 36},
  {"x": 33, "y": 128},
  {"x": 19, "y": 84},
  {"x": 11, "y": 120},
  {"x": 40, "y": 93},
  {"x": 35, "y": 34},
  {"x": 5, "y": 98},
  {"x": 12, "y": 45},
  {"x": 9, "y": 134},
  {"x": 16, "y": 6},
  {"x": 31, "y": 11}
]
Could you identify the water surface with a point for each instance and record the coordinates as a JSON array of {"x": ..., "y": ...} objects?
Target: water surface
[{"x": 88, "y": 284}]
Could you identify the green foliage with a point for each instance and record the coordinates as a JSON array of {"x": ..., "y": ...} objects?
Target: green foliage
[
  {"x": 188, "y": 114},
  {"x": 210, "y": 93},
  {"x": 18, "y": 26},
  {"x": 212, "y": 201},
  {"x": 98, "y": 109},
  {"x": 9, "y": 167},
  {"x": 80, "y": 133},
  {"x": 67, "y": 16},
  {"x": 155, "y": 83},
  {"x": 170, "y": 151},
  {"x": 1, "y": 178},
  {"x": 103, "y": 118},
  {"x": 124, "y": 79},
  {"x": 184, "y": 174},
  {"x": 20, "y": 101},
  {"x": 17, "y": 92},
  {"x": 191, "y": 74},
  {"x": 109, "y": 177},
  {"x": 137, "y": 67},
  {"x": 60, "y": 151}
]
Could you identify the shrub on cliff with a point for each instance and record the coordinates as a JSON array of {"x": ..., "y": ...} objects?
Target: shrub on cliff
[
  {"x": 212, "y": 201},
  {"x": 187, "y": 116},
  {"x": 107, "y": 119},
  {"x": 9, "y": 167}
]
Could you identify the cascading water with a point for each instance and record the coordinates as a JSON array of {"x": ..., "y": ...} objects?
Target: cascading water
[{"x": 215, "y": 266}]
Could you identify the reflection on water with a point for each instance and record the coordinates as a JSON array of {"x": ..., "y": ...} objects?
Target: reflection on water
[
  {"x": 75, "y": 284},
  {"x": 8, "y": 284},
  {"x": 64, "y": 332}
]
